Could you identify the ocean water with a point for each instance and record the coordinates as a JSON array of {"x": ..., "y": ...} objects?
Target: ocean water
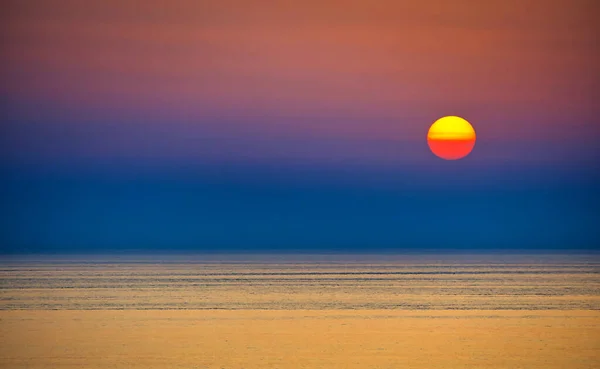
[{"x": 303, "y": 283}]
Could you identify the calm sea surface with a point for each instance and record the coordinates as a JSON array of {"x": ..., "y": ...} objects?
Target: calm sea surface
[{"x": 383, "y": 282}]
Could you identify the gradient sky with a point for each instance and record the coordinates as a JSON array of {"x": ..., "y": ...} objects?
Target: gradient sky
[{"x": 220, "y": 125}]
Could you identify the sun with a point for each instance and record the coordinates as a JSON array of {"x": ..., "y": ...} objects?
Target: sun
[{"x": 451, "y": 138}]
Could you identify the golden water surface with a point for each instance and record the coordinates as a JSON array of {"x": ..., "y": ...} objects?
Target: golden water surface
[{"x": 387, "y": 313}]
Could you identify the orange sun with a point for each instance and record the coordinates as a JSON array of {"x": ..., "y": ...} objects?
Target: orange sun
[{"x": 451, "y": 138}]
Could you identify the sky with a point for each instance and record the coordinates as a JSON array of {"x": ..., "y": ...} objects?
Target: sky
[{"x": 235, "y": 125}]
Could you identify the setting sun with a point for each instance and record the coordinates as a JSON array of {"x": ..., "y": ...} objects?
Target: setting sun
[{"x": 451, "y": 138}]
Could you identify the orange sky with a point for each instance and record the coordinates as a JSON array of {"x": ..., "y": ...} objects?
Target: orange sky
[
  {"x": 392, "y": 63},
  {"x": 299, "y": 124}
]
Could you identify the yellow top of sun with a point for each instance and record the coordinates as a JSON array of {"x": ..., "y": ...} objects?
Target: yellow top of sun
[{"x": 451, "y": 128}]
